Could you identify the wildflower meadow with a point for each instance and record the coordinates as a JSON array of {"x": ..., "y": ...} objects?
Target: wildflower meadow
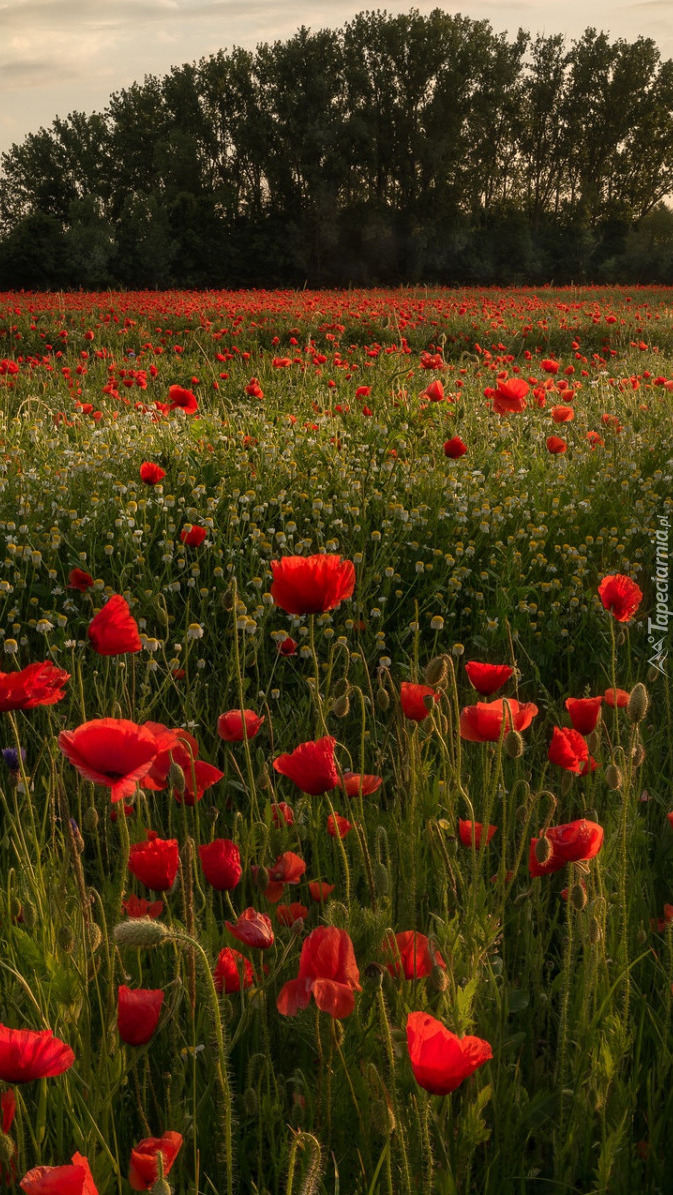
[{"x": 336, "y": 826}]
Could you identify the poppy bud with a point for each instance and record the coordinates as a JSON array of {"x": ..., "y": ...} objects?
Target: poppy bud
[
  {"x": 594, "y": 741},
  {"x": 595, "y": 931},
  {"x": 95, "y": 936},
  {"x": 638, "y": 755},
  {"x": 341, "y": 706},
  {"x": 638, "y": 703},
  {"x": 578, "y": 897},
  {"x": 90, "y": 820},
  {"x": 382, "y": 699},
  {"x": 341, "y": 687},
  {"x": 381, "y": 880},
  {"x": 543, "y": 849},
  {"x": 297, "y": 926},
  {"x": 375, "y": 972},
  {"x": 161, "y": 1187},
  {"x": 250, "y": 1101},
  {"x": 7, "y": 1148},
  {"x": 29, "y": 915},
  {"x": 436, "y": 672},
  {"x": 514, "y": 745},
  {"x": 381, "y": 1118},
  {"x": 176, "y": 778},
  {"x": 613, "y": 777},
  {"x": 14, "y": 907},
  {"x": 521, "y": 814},
  {"x": 652, "y": 673},
  {"x": 141, "y": 932},
  {"x": 338, "y": 1031},
  {"x": 262, "y": 879},
  {"x": 429, "y": 701},
  {"x": 621, "y": 639},
  {"x": 65, "y": 938},
  {"x": 438, "y": 980},
  {"x": 641, "y": 936}
]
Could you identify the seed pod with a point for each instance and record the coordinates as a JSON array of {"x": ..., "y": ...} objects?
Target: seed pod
[
  {"x": 578, "y": 897},
  {"x": 543, "y": 849},
  {"x": 341, "y": 706},
  {"x": 436, "y": 672},
  {"x": 638, "y": 703},
  {"x": 613, "y": 777},
  {"x": 141, "y": 932},
  {"x": 514, "y": 745},
  {"x": 382, "y": 699},
  {"x": 65, "y": 938},
  {"x": 90, "y": 819}
]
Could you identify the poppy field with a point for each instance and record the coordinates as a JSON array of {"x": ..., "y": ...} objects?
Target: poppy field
[{"x": 336, "y": 826}]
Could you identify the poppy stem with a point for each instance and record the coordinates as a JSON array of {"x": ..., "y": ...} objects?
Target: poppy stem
[{"x": 239, "y": 684}]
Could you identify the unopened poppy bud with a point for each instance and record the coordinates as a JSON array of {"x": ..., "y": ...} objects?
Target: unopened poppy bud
[
  {"x": 250, "y": 1101},
  {"x": 14, "y": 907},
  {"x": 264, "y": 778},
  {"x": 438, "y": 980},
  {"x": 90, "y": 819},
  {"x": 514, "y": 745},
  {"x": 339, "y": 1032},
  {"x": 375, "y": 973},
  {"x": 341, "y": 687},
  {"x": 436, "y": 672},
  {"x": 7, "y": 1149},
  {"x": 621, "y": 639},
  {"x": 176, "y": 778},
  {"x": 297, "y": 926},
  {"x": 543, "y": 849},
  {"x": 381, "y": 1118},
  {"x": 429, "y": 701},
  {"x": 652, "y": 673},
  {"x": 262, "y": 879},
  {"x": 141, "y": 932},
  {"x": 95, "y": 936},
  {"x": 578, "y": 897},
  {"x": 65, "y": 938},
  {"x": 595, "y": 931},
  {"x": 521, "y": 813},
  {"x": 341, "y": 706},
  {"x": 381, "y": 880},
  {"x": 641, "y": 936},
  {"x": 161, "y": 1187},
  {"x": 594, "y": 741},
  {"x": 228, "y": 600},
  {"x": 29, "y": 915},
  {"x": 638, "y": 703},
  {"x": 638, "y": 755},
  {"x": 382, "y": 699},
  {"x": 613, "y": 777}
]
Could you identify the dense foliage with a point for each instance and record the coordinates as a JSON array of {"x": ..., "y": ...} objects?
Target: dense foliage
[{"x": 404, "y": 148}]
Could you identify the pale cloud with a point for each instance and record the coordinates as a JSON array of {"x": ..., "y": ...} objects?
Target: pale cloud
[{"x": 57, "y": 56}]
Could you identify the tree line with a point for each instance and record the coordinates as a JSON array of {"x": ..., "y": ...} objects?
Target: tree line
[{"x": 408, "y": 148}]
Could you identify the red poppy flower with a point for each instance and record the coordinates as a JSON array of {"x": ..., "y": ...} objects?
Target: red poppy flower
[
  {"x": 412, "y": 700},
  {"x": 311, "y": 584},
  {"x": 227, "y": 974},
  {"x": 320, "y": 890},
  {"x": 110, "y": 751},
  {"x": 568, "y": 749},
  {"x": 465, "y": 833},
  {"x": 327, "y": 971},
  {"x": 487, "y": 678},
  {"x": 616, "y": 697},
  {"x": 179, "y": 397},
  {"x": 237, "y": 725},
  {"x": 113, "y": 631},
  {"x": 281, "y": 813},
  {"x": 620, "y": 595},
  {"x": 670, "y": 817},
  {"x": 254, "y": 389},
  {"x": 353, "y": 783},
  {"x": 37, "y": 684},
  {"x": 199, "y": 776},
  {"x": 78, "y": 579},
  {"x": 143, "y": 1170},
  {"x": 338, "y": 826},
  {"x": 288, "y": 914},
  {"x": 556, "y": 446},
  {"x": 482, "y": 723},
  {"x": 150, "y": 473},
  {"x": 138, "y": 1014},
  {"x": 287, "y": 646},
  {"x": 193, "y": 535},
  {"x": 7, "y": 1109},
  {"x": 310, "y": 766},
  {"x": 410, "y": 954},
  {"x": 76, "y": 1179},
  {"x": 26, "y": 1054},
  {"x": 221, "y": 863},
  {"x": 561, "y": 414},
  {"x": 252, "y": 928},
  {"x": 549, "y": 365},
  {"x": 288, "y": 869},
  {"x": 509, "y": 397},
  {"x": 439, "y": 1059},
  {"x": 570, "y": 843},
  {"x": 662, "y": 923},
  {"x": 454, "y": 448},
  {"x": 155, "y": 862},
  {"x": 434, "y": 392},
  {"x": 584, "y": 712},
  {"x": 177, "y": 746},
  {"x": 136, "y": 906}
]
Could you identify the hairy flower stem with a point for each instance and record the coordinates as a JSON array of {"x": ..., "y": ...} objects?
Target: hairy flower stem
[
  {"x": 390, "y": 1054},
  {"x": 562, "y": 1047},
  {"x": 239, "y": 683}
]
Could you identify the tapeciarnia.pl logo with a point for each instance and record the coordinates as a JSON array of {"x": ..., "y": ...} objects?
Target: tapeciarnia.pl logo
[{"x": 657, "y": 627}]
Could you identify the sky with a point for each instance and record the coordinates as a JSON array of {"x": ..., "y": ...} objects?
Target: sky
[{"x": 60, "y": 56}]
